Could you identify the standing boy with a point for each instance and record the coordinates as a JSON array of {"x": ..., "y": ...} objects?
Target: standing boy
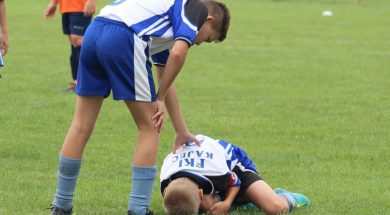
[
  {"x": 114, "y": 57},
  {"x": 4, "y": 29},
  {"x": 76, "y": 16},
  {"x": 195, "y": 178}
]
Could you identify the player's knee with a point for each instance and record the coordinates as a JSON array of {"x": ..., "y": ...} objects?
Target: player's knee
[
  {"x": 146, "y": 125},
  {"x": 81, "y": 129},
  {"x": 275, "y": 207},
  {"x": 146, "y": 128},
  {"x": 76, "y": 40}
]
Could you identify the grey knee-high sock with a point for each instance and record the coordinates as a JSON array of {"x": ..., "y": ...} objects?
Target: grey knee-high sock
[
  {"x": 292, "y": 203},
  {"x": 68, "y": 171},
  {"x": 142, "y": 187}
]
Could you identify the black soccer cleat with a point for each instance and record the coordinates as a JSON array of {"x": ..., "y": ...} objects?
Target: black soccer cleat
[
  {"x": 148, "y": 212},
  {"x": 59, "y": 211}
]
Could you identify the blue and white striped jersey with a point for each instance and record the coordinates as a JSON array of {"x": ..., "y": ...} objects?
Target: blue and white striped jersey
[
  {"x": 237, "y": 157},
  {"x": 166, "y": 19},
  {"x": 212, "y": 161}
]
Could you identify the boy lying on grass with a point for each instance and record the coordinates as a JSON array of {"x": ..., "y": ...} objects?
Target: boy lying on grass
[{"x": 216, "y": 175}]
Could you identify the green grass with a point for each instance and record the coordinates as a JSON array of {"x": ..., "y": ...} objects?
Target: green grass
[{"x": 307, "y": 96}]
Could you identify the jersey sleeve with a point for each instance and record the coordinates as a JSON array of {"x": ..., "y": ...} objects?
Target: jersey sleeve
[
  {"x": 234, "y": 180},
  {"x": 187, "y": 17},
  {"x": 235, "y": 155},
  {"x": 230, "y": 156}
]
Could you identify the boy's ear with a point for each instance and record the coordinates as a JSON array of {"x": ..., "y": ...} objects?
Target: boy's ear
[
  {"x": 165, "y": 189},
  {"x": 210, "y": 18},
  {"x": 200, "y": 192}
]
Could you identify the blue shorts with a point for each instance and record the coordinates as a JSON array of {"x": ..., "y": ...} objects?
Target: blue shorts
[
  {"x": 75, "y": 23},
  {"x": 160, "y": 59},
  {"x": 114, "y": 59}
]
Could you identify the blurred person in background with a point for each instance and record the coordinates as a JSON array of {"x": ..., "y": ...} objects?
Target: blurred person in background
[
  {"x": 76, "y": 17},
  {"x": 4, "y": 29}
]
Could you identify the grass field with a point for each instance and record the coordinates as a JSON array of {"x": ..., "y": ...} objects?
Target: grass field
[{"x": 308, "y": 97}]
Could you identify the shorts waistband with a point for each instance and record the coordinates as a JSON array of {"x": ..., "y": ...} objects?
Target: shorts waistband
[
  {"x": 114, "y": 22},
  {"x": 145, "y": 38}
]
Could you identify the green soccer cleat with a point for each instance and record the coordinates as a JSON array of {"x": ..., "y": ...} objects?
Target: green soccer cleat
[
  {"x": 250, "y": 205},
  {"x": 301, "y": 200}
]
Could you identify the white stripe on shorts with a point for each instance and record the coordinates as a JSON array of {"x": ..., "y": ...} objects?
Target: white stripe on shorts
[{"x": 141, "y": 80}]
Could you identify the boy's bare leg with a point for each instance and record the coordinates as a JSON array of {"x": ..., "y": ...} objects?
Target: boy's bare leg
[
  {"x": 86, "y": 113},
  {"x": 148, "y": 138},
  {"x": 144, "y": 161},
  {"x": 75, "y": 40},
  {"x": 84, "y": 119},
  {"x": 264, "y": 197}
]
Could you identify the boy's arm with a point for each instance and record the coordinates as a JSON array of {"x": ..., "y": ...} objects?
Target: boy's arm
[
  {"x": 51, "y": 9},
  {"x": 173, "y": 107},
  {"x": 231, "y": 193},
  {"x": 4, "y": 29},
  {"x": 224, "y": 206},
  {"x": 174, "y": 64},
  {"x": 90, "y": 7}
]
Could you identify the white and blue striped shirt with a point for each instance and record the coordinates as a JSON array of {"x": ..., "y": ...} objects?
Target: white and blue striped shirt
[{"x": 167, "y": 20}]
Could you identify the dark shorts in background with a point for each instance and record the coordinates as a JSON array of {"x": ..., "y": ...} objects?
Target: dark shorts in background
[
  {"x": 75, "y": 23},
  {"x": 160, "y": 59}
]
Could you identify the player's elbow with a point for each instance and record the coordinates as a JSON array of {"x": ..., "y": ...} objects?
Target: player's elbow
[
  {"x": 177, "y": 56},
  {"x": 179, "y": 51}
]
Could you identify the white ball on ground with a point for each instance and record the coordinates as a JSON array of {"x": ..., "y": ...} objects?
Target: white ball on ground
[{"x": 327, "y": 13}]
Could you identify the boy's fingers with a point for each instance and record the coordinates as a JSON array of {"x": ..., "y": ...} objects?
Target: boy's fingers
[
  {"x": 176, "y": 146},
  {"x": 174, "y": 149},
  {"x": 160, "y": 120},
  {"x": 197, "y": 142},
  {"x": 161, "y": 124},
  {"x": 88, "y": 13},
  {"x": 194, "y": 139},
  {"x": 157, "y": 115},
  {"x": 49, "y": 15}
]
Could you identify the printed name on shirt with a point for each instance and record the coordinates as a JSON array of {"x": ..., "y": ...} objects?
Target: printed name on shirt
[{"x": 194, "y": 158}]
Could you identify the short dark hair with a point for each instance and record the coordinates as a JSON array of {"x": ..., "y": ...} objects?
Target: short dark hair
[{"x": 221, "y": 16}]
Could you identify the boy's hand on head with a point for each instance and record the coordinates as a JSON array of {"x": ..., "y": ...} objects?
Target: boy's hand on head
[
  {"x": 183, "y": 138},
  {"x": 159, "y": 115}
]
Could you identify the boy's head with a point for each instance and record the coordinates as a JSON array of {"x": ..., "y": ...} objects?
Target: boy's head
[
  {"x": 182, "y": 197},
  {"x": 217, "y": 23}
]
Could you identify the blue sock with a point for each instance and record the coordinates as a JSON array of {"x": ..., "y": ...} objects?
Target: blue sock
[
  {"x": 68, "y": 171},
  {"x": 142, "y": 187},
  {"x": 292, "y": 203}
]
